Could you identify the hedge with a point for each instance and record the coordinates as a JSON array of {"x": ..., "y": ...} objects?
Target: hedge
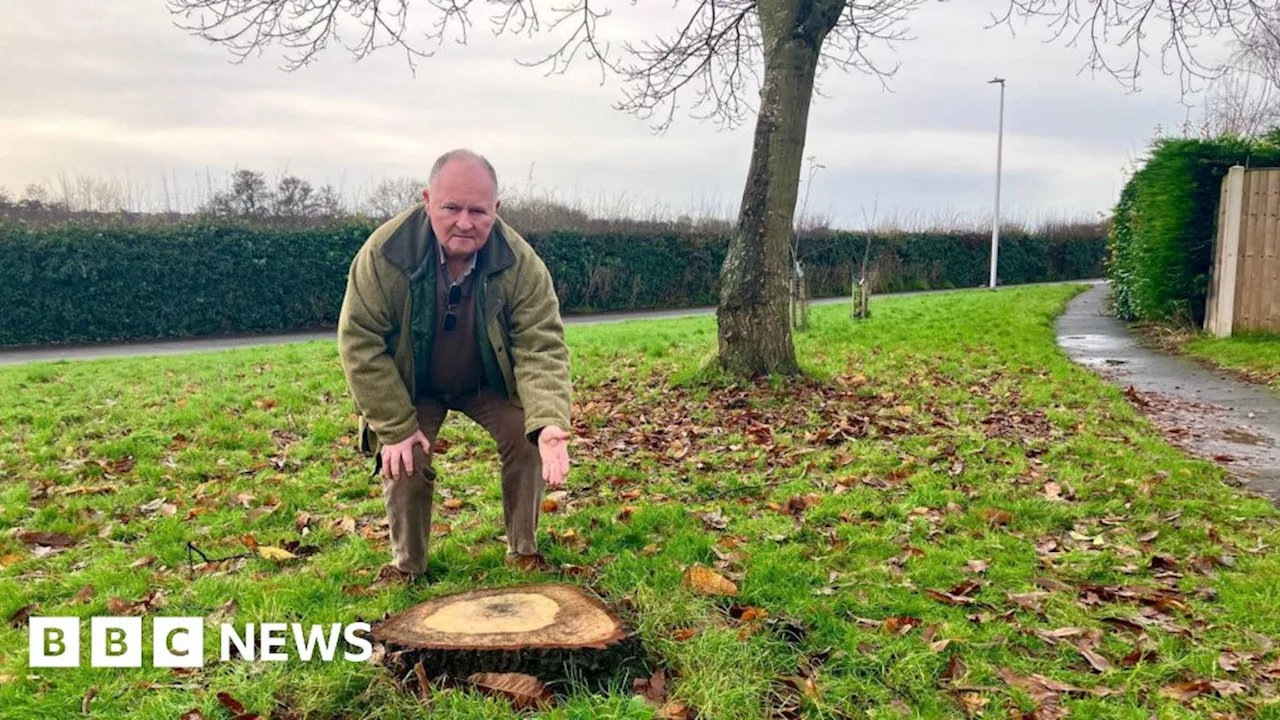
[
  {"x": 1160, "y": 244},
  {"x": 80, "y": 281}
]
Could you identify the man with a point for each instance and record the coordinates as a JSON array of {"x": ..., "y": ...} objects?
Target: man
[{"x": 448, "y": 308}]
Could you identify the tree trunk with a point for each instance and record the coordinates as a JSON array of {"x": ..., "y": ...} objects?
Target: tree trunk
[{"x": 754, "y": 328}]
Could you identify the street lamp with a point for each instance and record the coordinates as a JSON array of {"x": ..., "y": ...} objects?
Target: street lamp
[{"x": 995, "y": 223}]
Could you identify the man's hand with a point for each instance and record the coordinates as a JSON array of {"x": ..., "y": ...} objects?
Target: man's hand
[
  {"x": 402, "y": 452},
  {"x": 553, "y": 446}
]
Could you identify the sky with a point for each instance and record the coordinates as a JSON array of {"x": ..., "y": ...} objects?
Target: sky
[{"x": 119, "y": 92}]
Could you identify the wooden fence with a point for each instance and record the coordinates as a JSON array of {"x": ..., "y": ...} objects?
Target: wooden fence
[{"x": 1244, "y": 289}]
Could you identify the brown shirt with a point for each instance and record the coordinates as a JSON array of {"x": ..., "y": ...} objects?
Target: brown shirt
[{"x": 455, "y": 357}]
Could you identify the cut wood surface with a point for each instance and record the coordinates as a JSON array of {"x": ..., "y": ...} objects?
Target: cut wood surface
[{"x": 512, "y": 618}]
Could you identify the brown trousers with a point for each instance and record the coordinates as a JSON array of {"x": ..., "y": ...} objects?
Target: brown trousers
[{"x": 408, "y": 500}]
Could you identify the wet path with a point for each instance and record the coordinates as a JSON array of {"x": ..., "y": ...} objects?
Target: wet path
[{"x": 1207, "y": 412}]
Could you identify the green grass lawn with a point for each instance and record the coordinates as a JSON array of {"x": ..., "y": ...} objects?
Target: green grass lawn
[
  {"x": 1255, "y": 355},
  {"x": 949, "y": 520}
]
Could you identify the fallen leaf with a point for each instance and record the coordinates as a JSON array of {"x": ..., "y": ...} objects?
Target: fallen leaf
[
  {"x": 1052, "y": 584},
  {"x": 84, "y": 594},
  {"x": 453, "y": 503},
  {"x": 1227, "y": 688},
  {"x": 230, "y": 703},
  {"x": 47, "y": 539},
  {"x": 973, "y": 703},
  {"x": 954, "y": 671},
  {"x": 705, "y": 581},
  {"x": 1096, "y": 661},
  {"x": 143, "y": 561},
  {"x": 1052, "y": 491},
  {"x": 192, "y": 714},
  {"x": 524, "y": 691},
  {"x": 684, "y": 634},
  {"x": 977, "y": 566},
  {"x": 992, "y": 516},
  {"x": 900, "y": 625},
  {"x": 673, "y": 711},
  {"x": 89, "y": 695},
  {"x": 21, "y": 615},
  {"x": 274, "y": 553},
  {"x": 1029, "y": 600},
  {"x": 119, "y": 606},
  {"x": 653, "y": 688},
  {"x": 550, "y": 506},
  {"x": 1186, "y": 690},
  {"x": 949, "y": 598}
]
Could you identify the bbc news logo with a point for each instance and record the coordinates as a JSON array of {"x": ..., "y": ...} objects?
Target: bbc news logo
[{"x": 178, "y": 642}]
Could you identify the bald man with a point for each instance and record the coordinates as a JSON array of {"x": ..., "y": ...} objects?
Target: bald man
[{"x": 448, "y": 308}]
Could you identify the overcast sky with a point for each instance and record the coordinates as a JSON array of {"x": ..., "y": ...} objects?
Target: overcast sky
[{"x": 116, "y": 90}]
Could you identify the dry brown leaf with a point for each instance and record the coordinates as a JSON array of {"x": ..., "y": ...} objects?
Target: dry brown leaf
[
  {"x": 89, "y": 695},
  {"x": 192, "y": 714},
  {"x": 705, "y": 581},
  {"x": 47, "y": 539},
  {"x": 993, "y": 516},
  {"x": 524, "y": 691},
  {"x": 1096, "y": 661},
  {"x": 21, "y": 615},
  {"x": 1029, "y": 600},
  {"x": 453, "y": 503},
  {"x": 684, "y": 634},
  {"x": 84, "y": 594},
  {"x": 653, "y": 688},
  {"x": 230, "y": 703},
  {"x": 119, "y": 606},
  {"x": 977, "y": 566},
  {"x": 1186, "y": 690},
  {"x": 955, "y": 670},
  {"x": 550, "y": 506},
  {"x": 1052, "y": 491},
  {"x": 973, "y": 703},
  {"x": 673, "y": 711},
  {"x": 143, "y": 561}
]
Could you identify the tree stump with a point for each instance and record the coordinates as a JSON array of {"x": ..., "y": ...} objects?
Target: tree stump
[{"x": 552, "y": 632}]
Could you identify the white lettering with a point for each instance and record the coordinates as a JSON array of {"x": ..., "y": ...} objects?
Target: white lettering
[
  {"x": 243, "y": 646},
  {"x": 270, "y": 637},
  {"x": 358, "y": 641}
]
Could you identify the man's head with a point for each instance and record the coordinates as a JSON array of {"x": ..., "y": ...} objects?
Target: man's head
[{"x": 462, "y": 201}]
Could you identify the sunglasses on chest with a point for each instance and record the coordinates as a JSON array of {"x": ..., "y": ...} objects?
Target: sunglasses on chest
[{"x": 451, "y": 316}]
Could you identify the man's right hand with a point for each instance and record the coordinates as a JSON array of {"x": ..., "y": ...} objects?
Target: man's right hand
[{"x": 402, "y": 452}]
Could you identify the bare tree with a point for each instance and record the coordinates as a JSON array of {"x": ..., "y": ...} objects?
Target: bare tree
[
  {"x": 293, "y": 198},
  {"x": 248, "y": 196},
  {"x": 1245, "y": 101},
  {"x": 394, "y": 196},
  {"x": 328, "y": 202},
  {"x": 715, "y": 54}
]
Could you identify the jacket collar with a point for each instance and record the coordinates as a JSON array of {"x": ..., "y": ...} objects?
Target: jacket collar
[{"x": 414, "y": 249}]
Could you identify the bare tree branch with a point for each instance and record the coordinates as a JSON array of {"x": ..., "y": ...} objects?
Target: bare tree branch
[{"x": 1122, "y": 26}]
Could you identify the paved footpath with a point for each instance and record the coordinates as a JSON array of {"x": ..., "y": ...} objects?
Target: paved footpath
[
  {"x": 1209, "y": 413},
  {"x": 189, "y": 345}
]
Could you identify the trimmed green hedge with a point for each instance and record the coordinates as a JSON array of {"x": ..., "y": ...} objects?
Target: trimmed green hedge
[
  {"x": 100, "y": 281},
  {"x": 1160, "y": 245}
]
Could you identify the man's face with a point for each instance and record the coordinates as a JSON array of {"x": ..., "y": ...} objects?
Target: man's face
[{"x": 462, "y": 205}]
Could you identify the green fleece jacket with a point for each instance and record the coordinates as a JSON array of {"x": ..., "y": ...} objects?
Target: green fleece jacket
[{"x": 386, "y": 325}]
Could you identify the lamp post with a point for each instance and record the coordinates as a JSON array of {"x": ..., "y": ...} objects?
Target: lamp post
[{"x": 995, "y": 223}]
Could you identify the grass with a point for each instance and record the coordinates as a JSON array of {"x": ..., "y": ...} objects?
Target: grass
[
  {"x": 1255, "y": 355},
  {"x": 944, "y": 442}
]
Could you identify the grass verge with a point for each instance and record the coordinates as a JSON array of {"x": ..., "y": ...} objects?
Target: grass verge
[{"x": 951, "y": 519}]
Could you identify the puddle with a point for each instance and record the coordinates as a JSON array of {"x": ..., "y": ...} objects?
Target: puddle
[{"x": 1244, "y": 437}]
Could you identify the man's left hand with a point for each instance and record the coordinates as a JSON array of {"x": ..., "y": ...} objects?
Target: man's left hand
[{"x": 553, "y": 446}]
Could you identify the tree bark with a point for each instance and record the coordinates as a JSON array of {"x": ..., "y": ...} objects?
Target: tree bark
[{"x": 753, "y": 325}]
